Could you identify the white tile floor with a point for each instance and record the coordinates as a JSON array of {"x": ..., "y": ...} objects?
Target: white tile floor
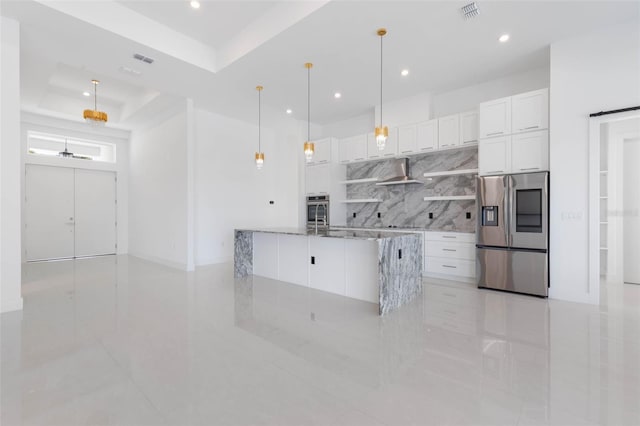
[{"x": 122, "y": 341}]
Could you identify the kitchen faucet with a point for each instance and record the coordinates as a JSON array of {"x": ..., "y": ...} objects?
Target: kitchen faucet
[{"x": 324, "y": 217}]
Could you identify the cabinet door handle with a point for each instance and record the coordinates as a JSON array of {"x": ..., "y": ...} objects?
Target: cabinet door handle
[
  {"x": 494, "y": 133},
  {"x": 496, "y": 171},
  {"x": 530, "y": 127},
  {"x": 406, "y": 151},
  {"x": 530, "y": 168},
  {"x": 449, "y": 236},
  {"x": 449, "y": 249},
  {"x": 449, "y": 266},
  {"x": 426, "y": 149}
]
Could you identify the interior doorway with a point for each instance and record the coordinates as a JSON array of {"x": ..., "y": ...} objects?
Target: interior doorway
[
  {"x": 631, "y": 209},
  {"x": 615, "y": 202},
  {"x": 69, "y": 212}
]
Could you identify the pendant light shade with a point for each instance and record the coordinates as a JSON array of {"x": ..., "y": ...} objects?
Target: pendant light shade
[
  {"x": 309, "y": 147},
  {"x": 259, "y": 155},
  {"x": 381, "y": 132},
  {"x": 66, "y": 153},
  {"x": 93, "y": 116}
]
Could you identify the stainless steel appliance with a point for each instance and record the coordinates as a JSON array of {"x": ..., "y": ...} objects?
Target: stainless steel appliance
[
  {"x": 513, "y": 233},
  {"x": 318, "y": 211}
]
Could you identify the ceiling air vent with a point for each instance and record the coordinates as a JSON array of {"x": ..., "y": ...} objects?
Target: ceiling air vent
[
  {"x": 143, "y": 58},
  {"x": 470, "y": 11}
]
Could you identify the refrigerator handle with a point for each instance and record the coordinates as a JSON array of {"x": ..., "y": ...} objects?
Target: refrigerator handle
[{"x": 509, "y": 213}]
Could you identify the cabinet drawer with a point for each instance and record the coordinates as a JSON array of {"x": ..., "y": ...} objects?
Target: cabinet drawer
[
  {"x": 463, "y": 237},
  {"x": 453, "y": 267},
  {"x": 451, "y": 250}
]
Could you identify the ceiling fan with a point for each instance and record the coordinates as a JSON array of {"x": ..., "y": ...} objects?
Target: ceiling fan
[{"x": 66, "y": 153}]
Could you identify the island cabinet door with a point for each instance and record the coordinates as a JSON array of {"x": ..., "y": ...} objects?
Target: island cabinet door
[
  {"x": 362, "y": 270},
  {"x": 327, "y": 264},
  {"x": 293, "y": 259}
]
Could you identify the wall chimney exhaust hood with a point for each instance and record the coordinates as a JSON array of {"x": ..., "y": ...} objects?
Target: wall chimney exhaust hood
[{"x": 401, "y": 175}]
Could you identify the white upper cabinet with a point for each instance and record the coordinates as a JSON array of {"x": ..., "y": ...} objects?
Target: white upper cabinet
[
  {"x": 317, "y": 179},
  {"x": 495, "y": 118},
  {"x": 530, "y": 152},
  {"x": 343, "y": 150},
  {"x": 322, "y": 152},
  {"x": 358, "y": 148},
  {"x": 427, "y": 139},
  {"x": 353, "y": 148},
  {"x": 530, "y": 111},
  {"x": 390, "y": 147},
  {"x": 494, "y": 156},
  {"x": 407, "y": 140},
  {"x": 468, "y": 127},
  {"x": 448, "y": 131}
]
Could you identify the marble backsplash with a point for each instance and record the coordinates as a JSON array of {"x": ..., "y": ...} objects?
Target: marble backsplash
[{"x": 403, "y": 205}]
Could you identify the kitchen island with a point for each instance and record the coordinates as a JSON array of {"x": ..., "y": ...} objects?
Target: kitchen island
[{"x": 375, "y": 266}]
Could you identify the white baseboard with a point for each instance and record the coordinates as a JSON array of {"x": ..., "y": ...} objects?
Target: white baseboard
[
  {"x": 11, "y": 305},
  {"x": 165, "y": 262}
]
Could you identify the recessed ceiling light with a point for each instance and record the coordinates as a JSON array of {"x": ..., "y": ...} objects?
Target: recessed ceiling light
[
  {"x": 86, "y": 94},
  {"x": 337, "y": 95},
  {"x": 503, "y": 38},
  {"x": 195, "y": 4},
  {"x": 404, "y": 73},
  {"x": 289, "y": 111}
]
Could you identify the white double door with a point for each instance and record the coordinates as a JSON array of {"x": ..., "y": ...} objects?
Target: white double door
[{"x": 69, "y": 212}]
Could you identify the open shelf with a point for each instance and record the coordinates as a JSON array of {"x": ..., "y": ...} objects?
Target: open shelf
[
  {"x": 452, "y": 173},
  {"x": 451, "y": 198},
  {"x": 362, "y": 200},
  {"x": 348, "y": 182}
]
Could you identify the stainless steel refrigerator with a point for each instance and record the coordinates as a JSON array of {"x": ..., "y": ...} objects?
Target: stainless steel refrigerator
[{"x": 513, "y": 233}]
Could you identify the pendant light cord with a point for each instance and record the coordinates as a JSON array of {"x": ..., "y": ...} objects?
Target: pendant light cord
[
  {"x": 95, "y": 96},
  {"x": 381, "y": 81},
  {"x": 309, "y": 104},
  {"x": 259, "y": 121}
]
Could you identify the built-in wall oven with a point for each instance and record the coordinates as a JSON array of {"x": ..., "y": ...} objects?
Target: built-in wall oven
[
  {"x": 513, "y": 233},
  {"x": 318, "y": 211}
]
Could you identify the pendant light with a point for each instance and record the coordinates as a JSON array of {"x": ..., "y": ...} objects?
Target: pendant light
[
  {"x": 309, "y": 147},
  {"x": 382, "y": 132},
  {"x": 93, "y": 116},
  {"x": 259, "y": 154}
]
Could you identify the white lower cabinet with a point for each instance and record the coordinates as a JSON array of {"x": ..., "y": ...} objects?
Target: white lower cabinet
[
  {"x": 265, "y": 255},
  {"x": 293, "y": 259},
  {"x": 362, "y": 270},
  {"x": 450, "y": 255},
  {"x": 327, "y": 264}
]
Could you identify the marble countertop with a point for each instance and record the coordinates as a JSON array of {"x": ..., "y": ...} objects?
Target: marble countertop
[
  {"x": 355, "y": 234},
  {"x": 395, "y": 230}
]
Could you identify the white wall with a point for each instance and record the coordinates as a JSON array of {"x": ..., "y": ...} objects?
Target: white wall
[
  {"x": 413, "y": 109},
  {"x": 350, "y": 127},
  {"x": 10, "y": 224},
  {"x": 158, "y": 192},
  {"x": 468, "y": 98},
  {"x": 51, "y": 125},
  {"x": 230, "y": 192},
  {"x": 594, "y": 72}
]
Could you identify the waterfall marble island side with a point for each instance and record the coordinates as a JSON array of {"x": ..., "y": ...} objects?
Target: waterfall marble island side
[{"x": 380, "y": 267}]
